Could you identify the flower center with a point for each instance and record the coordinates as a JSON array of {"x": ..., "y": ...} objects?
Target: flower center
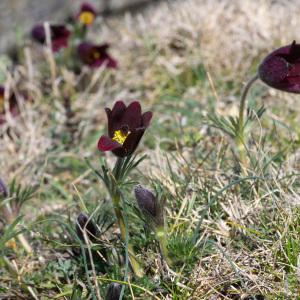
[
  {"x": 96, "y": 55},
  {"x": 86, "y": 17},
  {"x": 121, "y": 135},
  {"x": 1, "y": 104}
]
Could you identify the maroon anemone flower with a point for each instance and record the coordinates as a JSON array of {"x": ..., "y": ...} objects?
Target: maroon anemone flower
[
  {"x": 59, "y": 35},
  {"x": 95, "y": 55},
  {"x": 87, "y": 14},
  {"x": 126, "y": 126},
  {"x": 281, "y": 69},
  {"x": 12, "y": 105}
]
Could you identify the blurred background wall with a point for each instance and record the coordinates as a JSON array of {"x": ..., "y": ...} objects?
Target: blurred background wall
[{"x": 20, "y": 15}]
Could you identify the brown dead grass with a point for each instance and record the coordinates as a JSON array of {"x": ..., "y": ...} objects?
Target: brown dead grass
[{"x": 228, "y": 37}]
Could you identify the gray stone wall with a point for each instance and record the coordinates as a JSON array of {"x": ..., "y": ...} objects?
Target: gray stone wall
[{"x": 22, "y": 14}]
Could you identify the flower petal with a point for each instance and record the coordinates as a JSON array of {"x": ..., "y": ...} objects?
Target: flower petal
[
  {"x": 118, "y": 109},
  {"x": 115, "y": 117},
  {"x": 133, "y": 116},
  {"x": 111, "y": 63},
  {"x": 38, "y": 33},
  {"x": 146, "y": 117},
  {"x": 281, "y": 69},
  {"x": 133, "y": 139},
  {"x": 85, "y": 6},
  {"x": 107, "y": 144}
]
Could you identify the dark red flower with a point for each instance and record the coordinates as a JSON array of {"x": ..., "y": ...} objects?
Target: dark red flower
[
  {"x": 95, "y": 55},
  {"x": 126, "y": 126},
  {"x": 281, "y": 69},
  {"x": 87, "y": 14},
  {"x": 59, "y": 35},
  {"x": 12, "y": 105}
]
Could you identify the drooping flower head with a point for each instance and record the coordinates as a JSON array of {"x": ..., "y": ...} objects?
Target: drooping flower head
[
  {"x": 59, "y": 35},
  {"x": 281, "y": 69},
  {"x": 12, "y": 105},
  {"x": 126, "y": 126},
  {"x": 84, "y": 223},
  {"x": 87, "y": 14},
  {"x": 95, "y": 55}
]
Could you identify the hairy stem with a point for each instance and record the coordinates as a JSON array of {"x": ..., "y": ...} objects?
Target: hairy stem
[
  {"x": 240, "y": 136},
  {"x": 162, "y": 239},
  {"x": 243, "y": 100},
  {"x": 116, "y": 198}
]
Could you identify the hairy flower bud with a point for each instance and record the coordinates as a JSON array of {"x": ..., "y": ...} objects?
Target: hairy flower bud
[
  {"x": 146, "y": 200},
  {"x": 152, "y": 206},
  {"x": 113, "y": 291},
  {"x": 3, "y": 189},
  {"x": 84, "y": 223}
]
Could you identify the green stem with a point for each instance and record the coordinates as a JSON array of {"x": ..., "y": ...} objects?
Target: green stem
[
  {"x": 241, "y": 150},
  {"x": 116, "y": 198},
  {"x": 243, "y": 101},
  {"x": 240, "y": 136},
  {"x": 162, "y": 239}
]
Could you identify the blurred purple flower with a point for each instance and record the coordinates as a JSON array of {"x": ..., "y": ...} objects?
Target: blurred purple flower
[
  {"x": 84, "y": 223},
  {"x": 95, "y": 55},
  {"x": 126, "y": 126},
  {"x": 87, "y": 14},
  {"x": 59, "y": 35},
  {"x": 3, "y": 189},
  {"x": 281, "y": 69}
]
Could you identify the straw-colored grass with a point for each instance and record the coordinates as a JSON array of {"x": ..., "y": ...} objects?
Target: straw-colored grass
[{"x": 184, "y": 60}]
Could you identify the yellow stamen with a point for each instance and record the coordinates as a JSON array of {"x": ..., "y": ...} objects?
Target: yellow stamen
[
  {"x": 86, "y": 17},
  {"x": 1, "y": 104},
  {"x": 96, "y": 55},
  {"x": 11, "y": 244},
  {"x": 120, "y": 136}
]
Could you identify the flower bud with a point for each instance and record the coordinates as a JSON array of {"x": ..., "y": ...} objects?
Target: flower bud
[
  {"x": 113, "y": 291},
  {"x": 152, "y": 206},
  {"x": 84, "y": 223},
  {"x": 3, "y": 189},
  {"x": 146, "y": 200}
]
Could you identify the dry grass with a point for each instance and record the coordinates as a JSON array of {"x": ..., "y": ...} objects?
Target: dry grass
[{"x": 249, "y": 229}]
